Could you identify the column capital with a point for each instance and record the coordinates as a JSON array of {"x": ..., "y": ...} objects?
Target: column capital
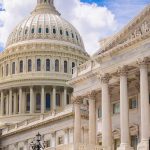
[
  {"x": 123, "y": 71},
  {"x": 92, "y": 95},
  {"x": 143, "y": 62},
  {"x": 77, "y": 100},
  {"x": 105, "y": 78}
]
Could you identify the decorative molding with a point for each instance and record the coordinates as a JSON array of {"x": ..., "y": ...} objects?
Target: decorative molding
[
  {"x": 104, "y": 78},
  {"x": 123, "y": 71}
]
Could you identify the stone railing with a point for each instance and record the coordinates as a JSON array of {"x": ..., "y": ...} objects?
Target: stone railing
[{"x": 89, "y": 147}]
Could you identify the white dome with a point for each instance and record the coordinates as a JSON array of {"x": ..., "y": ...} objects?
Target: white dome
[{"x": 45, "y": 23}]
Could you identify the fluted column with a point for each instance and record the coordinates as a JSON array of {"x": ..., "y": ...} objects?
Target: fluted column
[
  {"x": 92, "y": 117},
  {"x": 15, "y": 103},
  {"x": 124, "y": 110},
  {"x": 20, "y": 100},
  {"x": 2, "y": 103},
  {"x": 77, "y": 121},
  {"x": 106, "y": 113},
  {"x": 10, "y": 102},
  {"x": 54, "y": 99},
  {"x": 31, "y": 100},
  {"x": 66, "y": 136},
  {"x": 65, "y": 96},
  {"x": 42, "y": 100},
  {"x": 145, "y": 110}
]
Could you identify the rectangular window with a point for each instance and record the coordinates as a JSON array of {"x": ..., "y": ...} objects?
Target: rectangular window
[
  {"x": 60, "y": 140},
  {"x": 99, "y": 112},
  {"x": 134, "y": 142},
  {"x": 116, "y": 108},
  {"x": 47, "y": 144},
  {"x": 133, "y": 102},
  {"x": 116, "y": 143}
]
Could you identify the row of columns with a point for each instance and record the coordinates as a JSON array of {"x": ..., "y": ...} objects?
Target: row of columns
[
  {"x": 124, "y": 112},
  {"x": 12, "y": 103}
]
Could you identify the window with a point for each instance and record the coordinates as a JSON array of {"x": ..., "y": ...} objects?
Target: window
[
  {"x": 47, "y": 144},
  {"x": 40, "y": 30},
  {"x": 28, "y": 102},
  {"x": 38, "y": 65},
  {"x": 72, "y": 35},
  {"x": 13, "y": 68},
  {"x": 134, "y": 142},
  {"x": 38, "y": 102},
  {"x": 116, "y": 108},
  {"x": 7, "y": 68},
  {"x": 67, "y": 33},
  {"x": 47, "y": 30},
  {"x": 99, "y": 113},
  {"x": 73, "y": 65},
  {"x": 60, "y": 140},
  {"x": 21, "y": 66},
  {"x": 65, "y": 67},
  {"x": 47, "y": 65},
  {"x": 77, "y": 37},
  {"x": 133, "y": 103},
  {"x": 68, "y": 99},
  {"x": 116, "y": 143},
  {"x": 57, "y": 99},
  {"x": 32, "y": 30},
  {"x": 26, "y": 31},
  {"x": 29, "y": 65},
  {"x": 61, "y": 32},
  {"x": 21, "y": 148},
  {"x": 54, "y": 30},
  {"x": 57, "y": 65},
  {"x": 48, "y": 101}
]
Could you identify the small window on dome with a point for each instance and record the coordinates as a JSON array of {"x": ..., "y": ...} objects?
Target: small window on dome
[
  {"x": 32, "y": 30},
  {"x": 54, "y": 30},
  {"x": 26, "y": 31},
  {"x": 77, "y": 37},
  {"x": 47, "y": 30},
  {"x": 40, "y": 30},
  {"x": 72, "y": 35},
  {"x": 67, "y": 33},
  {"x": 61, "y": 32}
]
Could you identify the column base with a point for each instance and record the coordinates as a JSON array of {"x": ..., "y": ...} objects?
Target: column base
[
  {"x": 125, "y": 147},
  {"x": 143, "y": 145}
]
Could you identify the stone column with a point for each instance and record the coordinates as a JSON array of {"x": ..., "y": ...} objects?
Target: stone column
[
  {"x": 2, "y": 103},
  {"x": 20, "y": 100},
  {"x": 7, "y": 105},
  {"x": 31, "y": 100},
  {"x": 77, "y": 122},
  {"x": 124, "y": 110},
  {"x": 53, "y": 140},
  {"x": 145, "y": 110},
  {"x": 65, "y": 96},
  {"x": 10, "y": 102},
  {"x": 26, "y": 147},
  {"x": 66, "y": 136},
  {"x": 42, "y": 100},
  {"x": 106, "y": 113},
  {"x": 54, "y": 99},
  {"x": 92, "y": 117},
  {"x": 15, "y": 103}
]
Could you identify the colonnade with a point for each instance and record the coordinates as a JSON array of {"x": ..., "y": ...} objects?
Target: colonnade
[
  {"x": 14, "y": 100},
  {"x": 107, "y": 138}
]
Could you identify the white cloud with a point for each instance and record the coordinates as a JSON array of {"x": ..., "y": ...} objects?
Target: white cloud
[{"x": 92, "y": 21}]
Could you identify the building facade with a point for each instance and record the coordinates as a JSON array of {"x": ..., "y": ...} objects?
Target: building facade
[{"x": 115, "y": 82}]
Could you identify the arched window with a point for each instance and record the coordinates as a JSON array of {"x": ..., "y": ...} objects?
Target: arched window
[
  {"x": 72, "y": 35},
  {"x": 67, "y": 33},
  {"x": 61, "y": 32},
  {"x": 57, "y": 65},
  {"x": 32, "y": 30},
  {"x": 47, "y": 65},
  {"x": 38, "y": 102},
  {"x": 48, "y": 101},
  {"x": 21, "y": 66},
  {"x": 73, "y": 65},
  {"x": 7, "y": 68},
  {"x": 54, "y": 30},
  {"x": 40, "y": 30},
  {"x": 38, "y": 64},
  {"x": 13, "y": 68},
  {"x": 28, "y": 102},
  {"x": 57, "y": 99},
  {"x": 47, "y": 30},
  {"x": 68, "y": 99},
  {"x": 29, "y": 65},
  {"x": 65, "y": 67},
  {"x": 26, "y": 31}
]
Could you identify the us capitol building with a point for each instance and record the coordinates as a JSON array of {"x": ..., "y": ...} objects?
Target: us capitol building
[{"x": 49, "y": 84}]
